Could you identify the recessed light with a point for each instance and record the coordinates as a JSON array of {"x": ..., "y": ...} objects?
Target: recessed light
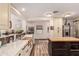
[
  {"x": 23, "y": 9},
  {"x": 49, "y": 15}
]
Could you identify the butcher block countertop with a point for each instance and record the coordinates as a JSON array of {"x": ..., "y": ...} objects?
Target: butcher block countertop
[{"x": 64, "y": 39}]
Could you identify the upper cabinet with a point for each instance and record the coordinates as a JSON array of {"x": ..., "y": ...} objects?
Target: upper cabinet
[{"x": 4, "y": 16}]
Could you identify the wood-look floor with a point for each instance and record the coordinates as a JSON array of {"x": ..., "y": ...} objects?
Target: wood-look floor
[{"x": 40, "y": 48}]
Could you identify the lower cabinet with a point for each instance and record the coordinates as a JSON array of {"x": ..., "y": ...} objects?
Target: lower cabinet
[
  {"x": 58, "y": 48},
  {"x": 74, "y": 49},
  {"x": 74, "y": 53},
  {"x": 63, "y": 48},
  {"x": 60, "y": 52}
]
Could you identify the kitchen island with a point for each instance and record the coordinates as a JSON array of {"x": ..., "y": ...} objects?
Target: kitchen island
[{"x": 63, "y": 46}]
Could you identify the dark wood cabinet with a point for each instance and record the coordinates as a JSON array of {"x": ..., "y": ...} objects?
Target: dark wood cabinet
[
  {"x": 63, "y": 48},
  {"x": 74, "y": 53},
  {"x": 50, "y": 48},
  {"x": 60, "y": 52},
  {"x": 74, "y": 49}
]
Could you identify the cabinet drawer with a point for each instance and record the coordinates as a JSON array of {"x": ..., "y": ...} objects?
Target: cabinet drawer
[
  {"x": 60, "y": 45},
  {"x": 59, "y": 52},
  {"x": 74, "y": 45},
  {"x": 74, "y": 53}
]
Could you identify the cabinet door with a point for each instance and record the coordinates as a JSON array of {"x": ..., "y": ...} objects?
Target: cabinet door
[
  {"x": 74, "y": 53},
  {"x": 74, "y": 49},
  {"x": 60, "y": 52},
  {"x": 60, "y": 45},
  {"x": 4, "y": 16}
]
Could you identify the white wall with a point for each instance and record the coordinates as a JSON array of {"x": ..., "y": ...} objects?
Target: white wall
[{"x": 56, "y": 22}]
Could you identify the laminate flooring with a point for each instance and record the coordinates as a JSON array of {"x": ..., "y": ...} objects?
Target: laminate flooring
[{"x": 40, "y": 48}]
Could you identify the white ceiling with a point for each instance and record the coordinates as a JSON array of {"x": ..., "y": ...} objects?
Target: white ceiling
[{"x": 37, "y": 10}]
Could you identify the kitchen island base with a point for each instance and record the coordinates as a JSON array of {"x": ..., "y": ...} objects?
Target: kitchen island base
[{"x": 63, "y": 48}]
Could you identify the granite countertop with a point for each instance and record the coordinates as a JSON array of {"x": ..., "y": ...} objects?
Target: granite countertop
[
  {"x": 12, "y": 49},
  {"x": 64, "y": 39}
]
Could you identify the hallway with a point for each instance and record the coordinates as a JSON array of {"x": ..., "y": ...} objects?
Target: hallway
[{"x": 40, "y": 48}]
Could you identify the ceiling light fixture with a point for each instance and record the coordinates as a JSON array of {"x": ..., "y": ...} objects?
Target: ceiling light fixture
[{"x": 69, "y": 14}]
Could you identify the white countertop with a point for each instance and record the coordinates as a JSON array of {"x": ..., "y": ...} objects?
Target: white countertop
[
  {"x": 2, "y": 36},
  {"x": 28, "y": 35},
  {"x": 12, "y": 49}
]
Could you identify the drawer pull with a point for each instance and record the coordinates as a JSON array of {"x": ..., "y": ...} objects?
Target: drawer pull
[{"x": 19, "y": 54}]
